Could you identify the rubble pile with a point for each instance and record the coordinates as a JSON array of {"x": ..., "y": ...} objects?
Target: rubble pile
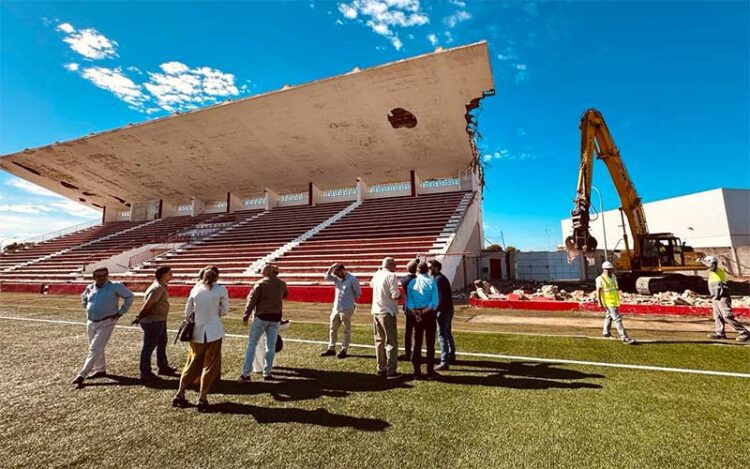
[{"x": 553, "y": 292}]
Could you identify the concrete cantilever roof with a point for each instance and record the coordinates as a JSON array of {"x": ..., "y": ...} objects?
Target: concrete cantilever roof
[{"x": 328, "y": 132}]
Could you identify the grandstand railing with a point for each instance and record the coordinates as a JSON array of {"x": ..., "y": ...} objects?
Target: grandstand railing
[
  {"x": 392, "y": 189},
  {"x": 55, "y": 234}
]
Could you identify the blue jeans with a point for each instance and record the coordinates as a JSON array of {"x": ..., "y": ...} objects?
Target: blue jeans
[
  {"x": 154, "y": 337},
  {"x": 257, "y": 328},
  {"x": 445, "y": 336}
]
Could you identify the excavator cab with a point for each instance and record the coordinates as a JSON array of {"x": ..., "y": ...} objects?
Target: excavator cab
[{"x": 660, "y": 251}]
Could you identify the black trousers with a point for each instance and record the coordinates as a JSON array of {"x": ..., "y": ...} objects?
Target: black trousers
[
  {"x": 409, "y": 334},
  {"x": 425, "y": 329}
]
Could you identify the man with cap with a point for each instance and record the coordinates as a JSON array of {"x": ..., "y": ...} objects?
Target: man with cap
[
  {"x": 721, "y": 302},
  {"x": 609, "y": 298}
]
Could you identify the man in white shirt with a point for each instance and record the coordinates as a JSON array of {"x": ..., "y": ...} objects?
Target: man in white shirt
[{"x": 385, "y": 295}]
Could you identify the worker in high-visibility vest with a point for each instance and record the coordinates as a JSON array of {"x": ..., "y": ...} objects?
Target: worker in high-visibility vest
[
  {"x": 609, "y": 298},
  {"x": 722, "y": 302}
]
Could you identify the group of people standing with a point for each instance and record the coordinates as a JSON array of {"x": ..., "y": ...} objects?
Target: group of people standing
[
  {"x": 427, "y": 306},
  {"x": 427, "y": 303}
]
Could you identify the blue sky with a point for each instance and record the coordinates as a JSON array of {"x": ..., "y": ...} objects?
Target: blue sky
[{"x": 671, "y": 78}]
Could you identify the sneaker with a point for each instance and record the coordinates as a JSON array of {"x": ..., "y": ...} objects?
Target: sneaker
[
  {"x": 168, "y": 371},
  {"x": 78, "y": 382},
  {"x": 202, "y": 405},
  {"x": 716, "y": 336},
  {"x": 442, "y": 367},
  {"x": 148, "y": 376},
  {"x": 328, "y": 353},
  {"x": 381, "y": 373},
  {"x": 433, "y": 376},
  {"x": 628, "y": 341},
  {"x": 744, "y": 337},
  {"x": 418, "y": 376},
  {"x": 180, "y": 401},
  {"x": 394, "y": 375},
  {"x": 342, "y": 353},
  {"x": 98, "y": 374},
  {"x": 606, "y": 335},
  {"x": 244, "y": 379},
  {"x": 268, "y": 377}
]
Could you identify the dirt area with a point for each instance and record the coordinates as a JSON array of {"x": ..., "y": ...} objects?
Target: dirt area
[{"x": 469, "y": 319}]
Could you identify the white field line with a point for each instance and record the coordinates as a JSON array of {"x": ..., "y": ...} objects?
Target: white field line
[{"x": 560, "y": 361}]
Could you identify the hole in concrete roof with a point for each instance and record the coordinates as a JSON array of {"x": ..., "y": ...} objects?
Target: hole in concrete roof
[
  {"x": 402, "y": 118},
  {"x": 127, "y": 204},
  {"x": 89, "y": 194},
  {"x": 96, "y": 205},
  {"x": 122, "y": 201},
  {"x": 31, "y": 170},
  {"x": 81, "y": 199},
  {"x": 68, "y": 185}
]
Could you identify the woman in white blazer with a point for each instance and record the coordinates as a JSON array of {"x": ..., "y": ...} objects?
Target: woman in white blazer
[{"x": 207, "y": 303}]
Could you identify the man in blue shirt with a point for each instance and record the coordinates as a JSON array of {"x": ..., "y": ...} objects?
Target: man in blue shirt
[
  {"x": 411, "y": 267},
  {"x": 422, "y": 301},
  {"x": 101, "y": 300},
  {"x": 348, "y": 292},
  {"x": 444, "y": 315}
]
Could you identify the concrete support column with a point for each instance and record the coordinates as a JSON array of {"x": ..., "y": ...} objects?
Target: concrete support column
[
  {"x": 314, "y": 195},
  {"x": 272, "y": 199},
  {"x": 468, "y": 180},
  {"x": 112, "y": 213},
  {"x": 199, "y": 206},
  {"x": 169, "y": 210},
  {"x": 416, "y": 183},
  {"x": 234, "y": 203},
  {"x": 139, "y": 211},
  {"x": 362, "y": 190}
]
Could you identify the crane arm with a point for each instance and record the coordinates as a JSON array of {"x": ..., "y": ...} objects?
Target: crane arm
[{"x": 597, "y": 141}]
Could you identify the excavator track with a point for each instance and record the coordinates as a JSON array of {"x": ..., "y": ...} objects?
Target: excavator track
[{"x": 672, "y": 282}]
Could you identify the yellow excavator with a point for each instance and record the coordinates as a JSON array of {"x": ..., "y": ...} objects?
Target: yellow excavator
[{"x": 655, "y": 260}]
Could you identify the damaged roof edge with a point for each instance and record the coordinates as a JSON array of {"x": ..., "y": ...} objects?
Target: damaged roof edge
[{"x": 284, "y": 89}]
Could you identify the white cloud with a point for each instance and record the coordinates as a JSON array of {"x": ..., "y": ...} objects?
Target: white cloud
[
  {"x": 457, "y": 17},
  {"x": 31, "y": 188},
  {"x": 181, "y": 88},
  {"x": 66, "y": 28},
  {"x": 506, "y": 155},
  {"x": 25, "y": 208},
  {"x": 384, "y": 16},
  {"x": 114, "y": 81},
  {"x": 88, "y": 42},
  {"x": 72, "y": 67},
  {"x": 458, "y": 3},
  {"x": 520, "y": 66},
  {"x": 75, "y": 209},
  {"x": 432, "y": 38}
]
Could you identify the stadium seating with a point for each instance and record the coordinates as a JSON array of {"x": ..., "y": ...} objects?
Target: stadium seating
[
  {"x": 60, "y": 243},
  {"x": 235, "y": 248},
  {"x": 400, "y": 227}
]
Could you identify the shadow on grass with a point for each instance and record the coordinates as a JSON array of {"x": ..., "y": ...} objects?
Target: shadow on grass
[
  {"x": 318, "y": 416},
  {"x": 298, "y": 384},
  {"x": 518, "y": 375},
  {"x": 119, "y": 380}
]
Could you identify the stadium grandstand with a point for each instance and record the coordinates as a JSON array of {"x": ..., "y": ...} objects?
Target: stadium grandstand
[{"x": 372, "y": 163}]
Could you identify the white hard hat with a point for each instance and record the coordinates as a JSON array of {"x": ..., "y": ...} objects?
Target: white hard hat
[
  {"x": 709, "y": 260},
  {"x": 607, "y": 265}
]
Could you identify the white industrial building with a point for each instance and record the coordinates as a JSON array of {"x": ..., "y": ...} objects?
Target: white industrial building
[{"x": 716, "y": 221}]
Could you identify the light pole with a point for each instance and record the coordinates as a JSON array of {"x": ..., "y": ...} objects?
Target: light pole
[{"x": 604, "y": 227}]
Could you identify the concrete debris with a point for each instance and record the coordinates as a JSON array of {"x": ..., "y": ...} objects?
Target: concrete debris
[{"x": 553, "y": 292}]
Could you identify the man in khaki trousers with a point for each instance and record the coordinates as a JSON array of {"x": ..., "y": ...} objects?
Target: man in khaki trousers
[
  {"x": 385, "y": 295},
  {"x": 348, "y": 292}
]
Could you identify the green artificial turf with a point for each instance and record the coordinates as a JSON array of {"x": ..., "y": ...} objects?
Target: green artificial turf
[{"x": 324, "y": 412}]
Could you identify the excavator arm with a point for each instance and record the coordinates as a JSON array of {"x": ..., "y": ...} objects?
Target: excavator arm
[{"x": 597, "y": 141}]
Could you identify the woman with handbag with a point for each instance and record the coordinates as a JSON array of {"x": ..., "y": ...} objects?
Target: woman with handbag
[{"x": 207, "y": 303}]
